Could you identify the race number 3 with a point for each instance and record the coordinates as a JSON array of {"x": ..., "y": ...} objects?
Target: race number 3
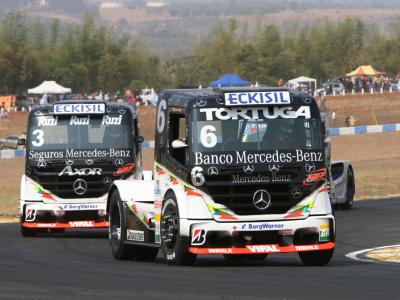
[
  {"x": 38, "y": 140},
  {"x": 208, "y": 137}
]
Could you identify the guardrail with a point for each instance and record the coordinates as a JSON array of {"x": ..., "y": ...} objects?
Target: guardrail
[
  {"x": 332, "y": 132},
  {"x": 364, "y": 129}
]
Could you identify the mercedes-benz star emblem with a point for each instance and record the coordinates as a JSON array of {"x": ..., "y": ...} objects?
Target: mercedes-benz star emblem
[
  {"x": 310, "y": 167},
  {"x": 273, "y": 168},
  {"x": 261, "y": 199},
  {"x": 107, "y": 180},
  {"x": 212, "y": 171},
  {"x": 42, "y": 164},
  {"x": 69, "y": 162},
  {"x": 119, "y": 162},
  {"x": 80, "y": 186},
  {"x": 201, "y": 101},
  {"x": 89, "y": 162},
  {"x": 219, "y": 100},
  {"x": 248, "y": 169},
  {"x": 297, "y": 192}
]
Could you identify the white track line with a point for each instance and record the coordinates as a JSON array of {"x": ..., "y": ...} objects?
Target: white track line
[{"x": 354, "y": 255}]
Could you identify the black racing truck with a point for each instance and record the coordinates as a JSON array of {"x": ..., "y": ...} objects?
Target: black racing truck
[
  {"x": 74, "y": 152},
  {"x": 238, "y": 172}
]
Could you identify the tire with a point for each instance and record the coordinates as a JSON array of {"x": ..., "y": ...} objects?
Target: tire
[
  {"x": 248, "y": 257},
  {"x": 116, "y": 229},
  {"x": 29, "y": 232},
  {"x": 316, "y": 258},
  {"x": 350, "y": 190},
  {"x": 173, "y": 245},
  {"x": 117, "y": 232}
]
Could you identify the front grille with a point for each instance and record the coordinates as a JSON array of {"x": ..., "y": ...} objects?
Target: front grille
[
  {"x": 239, "y": 197},
  {"x": 62, "y": 186}
]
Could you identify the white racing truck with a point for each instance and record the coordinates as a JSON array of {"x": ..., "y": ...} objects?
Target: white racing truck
[
  {"x": 74, "y": 151},
  {"x": 238, "y": 172}
]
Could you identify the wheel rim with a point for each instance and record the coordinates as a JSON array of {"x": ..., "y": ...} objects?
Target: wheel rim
[
  {"x": 115, "y": 226},
  {"x": 169, "y": 228}
]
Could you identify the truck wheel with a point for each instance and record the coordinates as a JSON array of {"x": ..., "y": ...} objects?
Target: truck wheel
[
  {"x": 316, "y": 258},
  {"x": 173, "y": 246},
  {"x": 348, "y": 204},
  {"x": 117, "y": 232},
  {"x": 29, "y": 232}
]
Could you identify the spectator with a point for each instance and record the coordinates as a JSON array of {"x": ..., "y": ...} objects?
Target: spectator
[
  {"x": 2, "y": 110},
  {"x": 350, "y": 121},
  {"x": 333, "y": 118}
]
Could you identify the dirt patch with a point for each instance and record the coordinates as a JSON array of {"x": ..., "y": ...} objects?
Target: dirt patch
[
  {"x": 367, "y": 109},
  {"x": 10, "y": 180},
  {"x": 376, "y": 161}
]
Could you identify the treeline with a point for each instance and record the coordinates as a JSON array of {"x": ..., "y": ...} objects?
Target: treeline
[
  {"x": 322, "y": 51},
  {"x": 85, "y": 57},
  {"x": 88, "y": 57}
]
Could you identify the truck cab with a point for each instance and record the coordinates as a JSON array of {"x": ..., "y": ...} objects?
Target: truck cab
[
  {"x": 74, "y": 152},
  {"x": 241, "y": 172}
]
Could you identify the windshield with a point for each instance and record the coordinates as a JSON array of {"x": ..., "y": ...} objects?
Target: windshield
[
  {"x": 79, "y": 132},
  {"x": 242, "y": 132}
]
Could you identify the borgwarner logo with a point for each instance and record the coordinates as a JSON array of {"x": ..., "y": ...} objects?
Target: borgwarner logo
[
  {"x": 261, "y": 199},
  {"x": 80, "y": 186}
]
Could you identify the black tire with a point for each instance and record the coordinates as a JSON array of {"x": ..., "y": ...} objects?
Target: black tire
[
  {"x": 116, "y": 229},
  {"x": 248, "y": 257},
  {"x": 117, "y": 232},
  {"x": 173, "y": 246},
  {"x": 316, "y": 258},
  {"x": 29, "y": 232},
  {"x": 350, "y": 191}
]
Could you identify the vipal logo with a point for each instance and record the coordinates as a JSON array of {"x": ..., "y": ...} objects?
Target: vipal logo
[{"x": 199, "y": 237}]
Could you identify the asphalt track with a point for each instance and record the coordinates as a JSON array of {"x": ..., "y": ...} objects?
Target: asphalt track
[{"x": 78, "y": 265}]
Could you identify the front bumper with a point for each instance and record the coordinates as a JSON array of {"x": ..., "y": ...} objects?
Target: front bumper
[
  {"x": 40, "y": 215},
  {"x": 311, "y": 234}
]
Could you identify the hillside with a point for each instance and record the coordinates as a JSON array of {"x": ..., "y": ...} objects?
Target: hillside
[{"x": 181, "y": 24}]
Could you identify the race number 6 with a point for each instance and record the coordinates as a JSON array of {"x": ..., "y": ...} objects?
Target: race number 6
[
  {"x": 207, "y": 136},
  {"x": 39, "y": 138},
  {"x": 162, "y": 106}
]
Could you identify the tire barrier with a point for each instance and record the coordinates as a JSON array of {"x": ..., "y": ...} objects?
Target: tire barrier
[{"x": 364, "y": 129}]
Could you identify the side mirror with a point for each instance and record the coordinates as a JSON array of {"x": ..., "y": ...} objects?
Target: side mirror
[
  {"x": 179, "y": 144},
  {"x": 139, "y": 139},
  {"x": 327, "y": 141},
  {"x": 21, "y": 142}
]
